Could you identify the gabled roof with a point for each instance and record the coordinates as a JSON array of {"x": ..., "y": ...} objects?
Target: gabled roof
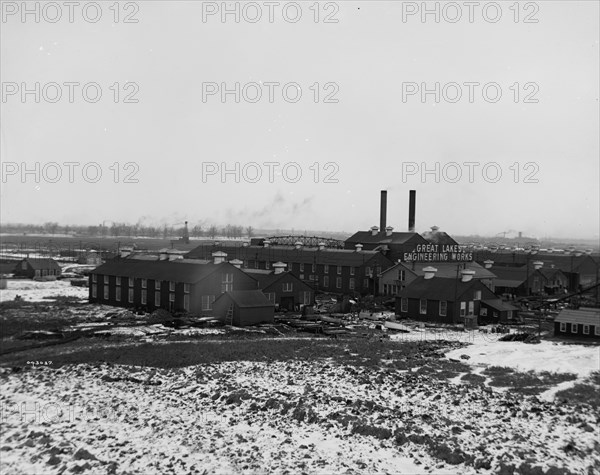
[
  {"x": 511, "y": 276},
  {"x": 174, "y": 271},
  {"x": 585, "y": 316},
  {"x": 367, "y": 237},
  {"x": 440, "y": 288},
  {"x": 551, "y": 272},
  {"x": 266, "y": 280},
  {"x": 42, "y": 263},
  {"x": 247, "y": 298}
]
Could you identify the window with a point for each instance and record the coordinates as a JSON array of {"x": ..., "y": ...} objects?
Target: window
[
  {"x": 171, "y": 297},
  {"x": 463, "y": 309},
  {"x": 301, "y": 276},
  {"x": 443, "y": 308},
  {"x": 306, "y": 297},
  {"x": 477, "y": 295},
  {"x": 271, "y": 297},
  {"x": 130, "y": 296},
  {"x": 311, "y": 277},
  {"x": 37, "y": 273},
  {"x": 586, "y": 329},
  {"x": 367, "y": 271},
  {"x": 130, "y": 281},
  {"x": 267, "y": 265},
  {"x": 117, "y": 280},
  {"x": 94, "y": 290},
  {"x": 401, "y": 275},
  {"x": 256, "y": 264},
  {"x": 144, "y": 283},
  {"x": 171, "y": 286},
  {"x": 226, "y": 282},
  {"x": 483, "y": 312},
  {"x": 157, "y": 285},
  {"x": 573, "y": 327},
  {"x": 186, "y": 288},
  {"x": 288, "y": 286},
  {"x": 144, "y": 296},
  {"x": 105, "y": 291},
  {"x": 314, "y": 268},
  {"x": 597, "y": 330},
  {"x": 339, "y": 270},
  {"x": 118, "y": 294},
  {"x": 404, "y": 304},
  {"x": 366, "y": 283},
  {"x": 186, "y": 302},
  {"x": 351, "y": 284},
  {"x": 352, "y": 270},
  {"x": 207, "y": 301},
  {"x": 326, "y": 281},
  {"x": 338, "y": 282},
  {"x": 245, "y": 264},
  {"x": 423, "y": 306},
  {"x": 301, "y": 267},
  {"x": 326, "y": 269},
  {"x": 471, "y": 307},
  {"x": 94, "y": 277},
  {"x": 157, "y": 298}
]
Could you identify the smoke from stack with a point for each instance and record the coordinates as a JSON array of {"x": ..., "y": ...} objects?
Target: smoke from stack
[
  {"x": 412, "y": 207},
  {"x": 383, "y": 210}
]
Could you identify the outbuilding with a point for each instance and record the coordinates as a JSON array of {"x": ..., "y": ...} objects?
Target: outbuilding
[
  {"x": 244, "y": 307},
  {"x": 581, "y": 323},
  {"x": 37, "y": 268}
]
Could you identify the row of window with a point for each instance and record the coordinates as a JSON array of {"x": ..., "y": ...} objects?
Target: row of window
[
  {"x": 466, "y": 308},
  {"x": 575, "y": 328},
  {"x": 226, "y": 283},
  {"x": 45, "y": 272}
]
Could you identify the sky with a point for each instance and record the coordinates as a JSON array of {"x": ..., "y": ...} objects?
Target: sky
[{"x": 510, "y": 140}]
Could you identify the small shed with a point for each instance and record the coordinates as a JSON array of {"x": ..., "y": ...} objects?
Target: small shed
[
  {"x": 496, "y": 311},
  {"x": 36, "y": 268},
  {"x": 244, "y": 307},
  {"x": 581, "y": 323}
]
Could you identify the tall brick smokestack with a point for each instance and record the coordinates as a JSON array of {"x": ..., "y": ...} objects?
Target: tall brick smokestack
[
  {"x": 383, "y": 211},
  {"x": 412, "y": 209}
]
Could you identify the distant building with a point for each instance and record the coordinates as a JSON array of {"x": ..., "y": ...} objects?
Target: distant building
[
  {"x": 283, "y": 289},
  {"x": 581, "y": 323},
  {"x": 244, "y": 307},
  {"x": 394, "y": 279},
  {"x": 532, "y": 280},
  {"x": 393, "y": 245},
  {"x": 90, "y": 258},
  {"x": 172, "y": 285},
  {"x": 443, "y": 300},
  {"x": 37, "y": 268}
]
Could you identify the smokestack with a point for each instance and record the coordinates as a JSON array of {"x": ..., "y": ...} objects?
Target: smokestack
[
  {"x": 383, "y": 210},
  {"x": 412, "y": 207}
]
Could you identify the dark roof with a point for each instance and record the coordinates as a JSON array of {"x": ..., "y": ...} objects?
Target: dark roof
[
  {"x": 266, "y": 280},
  {"x": 42, "y": 263},
  {"x": 445, "y": 269},
  {"x": 518, "y": 274},
  {"x": 439, "y": 288},
  {"x": 498, "y": 304},
  {"x": 287, "y": 254},
  {"x": 550, "y": 272},
  {"x": 439, "y": 237},
  {"x": 158, "y": 270},
  {"x": 366, "y": 237},
  {"x": 563, "y": 262},
  {"x": 248, "y": 298},
  {"x": 7, "y": 267}
]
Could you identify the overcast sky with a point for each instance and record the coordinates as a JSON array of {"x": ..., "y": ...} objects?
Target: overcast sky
[{"x": 376, "y": 138}]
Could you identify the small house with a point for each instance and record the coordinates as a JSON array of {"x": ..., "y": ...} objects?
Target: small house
[
  {"x": 244, "y": 307},
  {"x": 581, "y": 323},
  {"x": 37, "y": 268}
]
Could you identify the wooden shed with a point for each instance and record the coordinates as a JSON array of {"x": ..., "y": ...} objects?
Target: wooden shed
[
  {"x": 244, "y": 307},
  {"x": 37, "y": 268},
  {"x": 581, "y": 323}
]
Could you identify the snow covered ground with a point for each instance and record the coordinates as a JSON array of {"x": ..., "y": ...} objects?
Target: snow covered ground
[{"x": 33, "y": 291}]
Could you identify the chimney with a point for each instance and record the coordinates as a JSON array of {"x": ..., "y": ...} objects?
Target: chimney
[
  {"x": 236, "y": 263},
  {"x": 266, "y": 243},
  {"x": 466, "y": 275},
  {"x": 383, "y": 210},
  {"x": 537, "y": 265},
  {"x": 389, "y": 230},
  {"x": 374, "y": 231},
  {"x": 298, "y": 244},
  {"x": 358, "y": 247},
  {"x": 488, "y": 264},
  {"x": 429, "y": 272},
  {"x": 412, "y": 209},
  {"x": 279, "y": 267},
  {"x": 219, "y": 257},
  {"x": 321, "y": 246}
]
